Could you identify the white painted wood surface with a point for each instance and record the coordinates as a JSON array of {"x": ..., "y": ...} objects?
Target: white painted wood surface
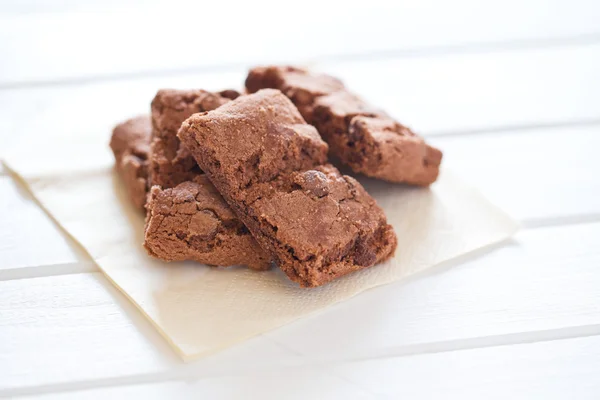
[
  {"x": 509, "y": 90},
  {"x": 26, "y": 227},
  {"x": 544, "y": 370},
  {"x": 460, "y": 93},
  {"x": 113, "y": 39},
  {"x": 466, "y": 93},
  {"x": 77, "y": 329},
  {"x": 540, "y": 176}
]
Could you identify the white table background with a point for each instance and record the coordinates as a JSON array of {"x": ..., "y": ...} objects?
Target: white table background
[{"x": 510, "y": 90}]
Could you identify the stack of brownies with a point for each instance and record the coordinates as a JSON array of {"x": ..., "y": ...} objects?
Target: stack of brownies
[{"x": 243, "y": 179}]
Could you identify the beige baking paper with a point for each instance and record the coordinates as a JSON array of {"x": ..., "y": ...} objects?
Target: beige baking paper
[{"x": 199, "y": 309}]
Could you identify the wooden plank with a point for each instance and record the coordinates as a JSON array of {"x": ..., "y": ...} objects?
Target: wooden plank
[
  {"x": 541, "y": 176},
  {"x": 551, "y": 370},
  {"x": 470, "y": 93},
  {"x": 78, "y": 328},
  {"x": 74, "y": 331},
  {"x": 29, "y": 239},
  {"x": 109, "y": 40},
  {"x": 308, "y": 383}
]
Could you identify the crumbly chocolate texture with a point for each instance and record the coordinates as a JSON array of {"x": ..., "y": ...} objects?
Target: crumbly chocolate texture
[
  {"x": 365, "y": 138},
  {"x": 171, "y": 163},
  {"x": 271, "y": 168},
  {"x": 130, "y": 143},
  {"x": 192, "y": 222}
]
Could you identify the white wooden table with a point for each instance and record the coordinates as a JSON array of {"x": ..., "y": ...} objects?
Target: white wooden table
[{"x": 510, "y": 90}]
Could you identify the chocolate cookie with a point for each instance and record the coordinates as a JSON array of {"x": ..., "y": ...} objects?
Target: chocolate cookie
[
  {"x": 270, "y": 166},
  {"x": 361, "y": 136},
  {"x": 130, "y": 143}
]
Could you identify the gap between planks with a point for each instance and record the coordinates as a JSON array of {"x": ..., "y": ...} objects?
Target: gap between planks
[
  {"x": 43, "y": 271},
  {"x": 511, "y": 128},
  {"x": 426, "y": 51}
]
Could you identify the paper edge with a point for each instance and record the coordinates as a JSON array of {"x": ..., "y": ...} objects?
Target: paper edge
[{"x": 21, "y": 180}]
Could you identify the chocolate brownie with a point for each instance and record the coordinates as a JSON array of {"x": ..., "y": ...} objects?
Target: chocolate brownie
[
  {"x": 171, "y": 163},
  {"x": 188, "y": 222},
  {"x": 270, "y": 166},
  {"x": 130, "y": 143},
  {"x": 363, "y": 137},
  {"x": 192, "y": 222}
]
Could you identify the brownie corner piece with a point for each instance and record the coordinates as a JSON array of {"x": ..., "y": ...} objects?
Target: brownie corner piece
[
  {"x": 170, "y": 107},
  {"x": 372, "y": 143},
  {"x": 323, "y": 225},
  {"x": 192, "y": 222},
  {"x": 299, "y": 84},
  {"x": 384, "y": 149},
  {"x": 294, "y": 79},
  {"x": 170, "y": 162},
  {"x": 130, "y": 145},
  {"x": 252, "y": 139}
]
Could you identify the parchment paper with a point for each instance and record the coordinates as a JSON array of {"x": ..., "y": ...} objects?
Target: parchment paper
[{"x": 199, "y": 309}]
